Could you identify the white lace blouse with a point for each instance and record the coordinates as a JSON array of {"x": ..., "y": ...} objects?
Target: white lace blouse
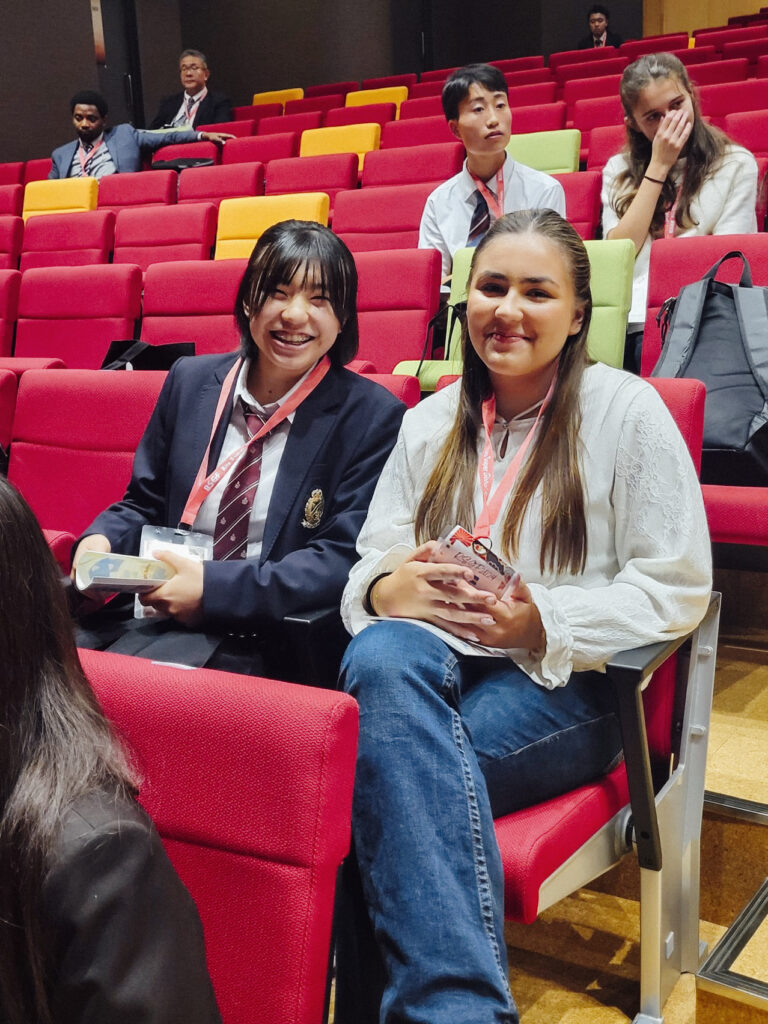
[{"x": 648, "y": 573}]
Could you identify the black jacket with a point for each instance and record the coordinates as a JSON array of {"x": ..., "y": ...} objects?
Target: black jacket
[{"x": 215, "y": 108}]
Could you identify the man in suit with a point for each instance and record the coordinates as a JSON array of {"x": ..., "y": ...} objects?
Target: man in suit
[
  {"x": 98, "y": 150},
  {"x": 196, "y": 104},
  {"x": 598, "y": 30}
]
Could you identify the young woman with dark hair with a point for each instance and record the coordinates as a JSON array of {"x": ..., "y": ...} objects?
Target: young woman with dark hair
[
  {"x": 318, "y": 434},
  {"x": 94, "y": 922},
  {"x": 676, "y": 176},
  {"x": 477, "y": 705}
]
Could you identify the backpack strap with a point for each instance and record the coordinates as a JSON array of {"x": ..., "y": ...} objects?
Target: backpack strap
[{"x": 683, "y": 328}]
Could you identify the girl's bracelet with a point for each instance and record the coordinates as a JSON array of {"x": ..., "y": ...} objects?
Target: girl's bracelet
[{"x": 654, "y": 180}]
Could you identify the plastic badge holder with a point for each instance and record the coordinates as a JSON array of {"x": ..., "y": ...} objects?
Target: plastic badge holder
[{"x": 190, "y": 544}]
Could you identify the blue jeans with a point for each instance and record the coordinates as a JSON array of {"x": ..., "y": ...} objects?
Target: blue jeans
[{"x": 446, "y": 743}]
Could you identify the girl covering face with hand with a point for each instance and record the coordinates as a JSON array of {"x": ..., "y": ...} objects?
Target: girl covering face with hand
[
  {"x": 676, "y": 176},
  {"x": 472, "y": 705}
]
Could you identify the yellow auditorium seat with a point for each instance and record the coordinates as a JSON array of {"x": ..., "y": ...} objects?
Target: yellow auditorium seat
[
  {"x": 555, "y": 152},
  {"x": 396, "y": 94},
  {"x": 346, "y": 138},
  {"x": 243, "y": 221},
  {"x": 61, "y": 195},
  {"x": 277, "y": 96}
]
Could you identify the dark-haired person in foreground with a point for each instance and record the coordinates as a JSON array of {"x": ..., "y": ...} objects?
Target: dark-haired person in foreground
[
  {"x": 290, "y": 548},
  {"x": 98, "y": 150},
  {"x": 95, "y": 925},
  {"x": 196, "y": 104},
  {"x": 461, "y": 210}
]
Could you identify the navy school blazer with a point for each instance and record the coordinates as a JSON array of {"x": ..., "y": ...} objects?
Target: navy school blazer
[{"x": 338, "y": 443}]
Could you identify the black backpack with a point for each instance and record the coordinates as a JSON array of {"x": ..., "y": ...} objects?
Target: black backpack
[{"x": 718, "y": 333}]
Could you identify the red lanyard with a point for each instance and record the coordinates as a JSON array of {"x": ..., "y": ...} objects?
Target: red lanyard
[
  {"x": 203, "y": 485},
  {"x": 489, "y": 513},
  {"x": 495, "y": 202},
  {"x": 670, "y": 225},
  {"x": 85, "y": 160}
]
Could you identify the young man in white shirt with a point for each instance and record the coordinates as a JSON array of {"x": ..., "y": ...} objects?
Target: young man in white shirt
[{"x": 460, "y": 211}]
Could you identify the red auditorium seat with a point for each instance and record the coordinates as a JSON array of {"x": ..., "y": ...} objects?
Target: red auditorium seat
[
  {"x": 529, "y": 95},
  {"x": 582, "y": 200},
  {"x": 604, "y": 143},
  {"x": 427, "y": 106},
  {"x": 368, "y": 113},
  {"x": 73, "y": 313},
  {"x": 189, "y": 150},
  {"x": 717, "y": 101},
  {"x": 405, "y": 165},
  {"x": 716, "y": 71},
  {"x": 12, "y": 173},
  {"x": 252, "y": 799},
  {"x": 68, "y": 239},
  {"x": 389, "y": 81},
  {"x": 11, "y": 200},
  {"x": 530, "y": 76},
  {"x": 37, "y": 170},
  {"x": 416, "y": 131},
  {"x": 255, "y": 114},
  {"x": 118, "y": 191},
  {"x": 381, "y": 218},
  {"x": 635, "y": 48},
  {"x": 192, "y": 301},
  {"x": 10, "y": 281},
  {"x": 750, "y": 129},
  {"x": 543, "y": 117},
  {"x": 8, "y": 387},
  {"x": 241, "y": 128},
  {"x": 11, "y": 236},
  {"x": 718, "y": 37},
  {"x": 331, "y": 173},
  {"x": 587, "y": 88},
  {"x": 212, "y": 184},
  {"x": 261, "y": 148},
  {"x": 437, "y": 75},
  {"x": 398, "y": 294},
  {"x": 518, "y": 63},
  {"x": 567, "y": 72},
  {"x": 698, "y": 55},
  {"x": 290, "y": 123},
  {"x": 596, "y": 113},
  {"x": 752, "y": 49},
  {"x": 74, "y": 436},
  {"x": 321, "y": 103},
  {"x": 422, "y": 89},
  {"x": 401, "y": 385},
  {"x": 331, "y": 87},
  {"x": 557, "y": 60},
  {"x": 182, "y": 232}
]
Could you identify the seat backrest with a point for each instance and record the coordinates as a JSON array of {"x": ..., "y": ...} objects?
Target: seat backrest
[
  {"x": 11, "y": 199},
  {"x": 321, "y": 103},
  {"x": 261, "y": 148},
  {"x": 68, "y": 239},
  {"x": 255, "y": 114},
  {"x": 12, "y": 173},
  {"x": 73, "y": 313},
  {"x": 116, "y": 191},
  {"x": 188, "y": 150},
  {"x": 582, "y": 200},
  {"x": 402, "y": 385},
  {"x": 10, "y": 282},
  {"x": 551, "y": 152},
  {"x": 64, "y": 195},
  {"x": 518, "y": 63},
  {"x": 182, "y": 232},
  {"x": 750, "y": 129},
  {"x": 252, "y": 799},
  {"x": 528, "y": 76},
  {"x": 585, "y": 88},
  {"x": 408, "y": 164},
  {"x": 398, "y": 294},
  {"x": 392, "y": 94},
  {"x": 330, "y": 88},
  {"x": 729, "y": 97},
  {"x": 425, "y": 106},
  {"x": 408, "y": 79},
  {"x": 437, "y": 74},
  {"x": 735, "y": 70},
  {"x": 635, "y": 48},
  {"x": 387, "y": 217},
  {"x": 718, "y": 37},
  {"x": 348, "y": 138},
  {"x": 567, "y": 72},
  {"x": 242, "y": 127},
  {"x": 192, "y": 301},
  {"x": 556, "y": 60},
  {"x": 542, "y": 117},
  {"x": 528, "y": 95},
  {"x": 11, "y": 236},
  {"x": 604, "y": 142},
  {"x": 673, "y": 266},
  {"x": 243, "y": 221},
  {"x": 749, "y": 48},
  {"x": 416, "y": 131},
  {"x": 37, "y": 169},
  {"x": 212, "y": 184},
  {"x": 8, "y": 388},
  {"x": 298, "y": 122},
  {"x": 369, "y": 113},
  {"x": 74, "y": 437},
  {"x": 699, "y": 55},
  {"x": 596, "y": 112},
  {"x": 331, "y": 174},
  {"x": 281, "y": 96}
]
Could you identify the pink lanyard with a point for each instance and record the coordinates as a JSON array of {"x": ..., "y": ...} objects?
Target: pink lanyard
[
  {"x": 489, "y": 513},
  {"x": 495, "y": 202},
  {"x": 85, "y": 160},
  {"x": 670, "y": 225},
  {"x": 203, "y": 485}
]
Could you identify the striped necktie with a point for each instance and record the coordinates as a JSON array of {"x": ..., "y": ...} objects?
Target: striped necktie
[
  {"x": 234, "y": 515},
  {"x": 481, "y": 220}
]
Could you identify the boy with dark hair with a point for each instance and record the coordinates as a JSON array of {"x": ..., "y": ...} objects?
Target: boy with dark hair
[
  {"x": 98, "y": 151},
  {"x": 460, "y": 211},
  {"x": 598, "y": 17}
]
